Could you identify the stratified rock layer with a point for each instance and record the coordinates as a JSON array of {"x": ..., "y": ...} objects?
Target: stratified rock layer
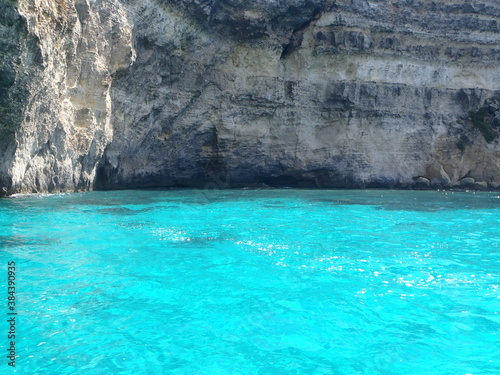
[{"x": 312, "y": 93}]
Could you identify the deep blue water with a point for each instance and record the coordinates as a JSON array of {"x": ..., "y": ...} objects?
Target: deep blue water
[{"x": 253, "y": 282}]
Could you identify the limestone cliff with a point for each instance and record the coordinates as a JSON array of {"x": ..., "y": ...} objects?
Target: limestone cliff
[{"x": 321, "y": 93}]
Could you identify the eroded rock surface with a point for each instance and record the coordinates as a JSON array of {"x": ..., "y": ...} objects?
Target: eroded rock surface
[{"x": 319, "y": 93}]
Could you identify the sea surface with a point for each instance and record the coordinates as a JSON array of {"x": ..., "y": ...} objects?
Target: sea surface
[{"x": 248, "y": 282}]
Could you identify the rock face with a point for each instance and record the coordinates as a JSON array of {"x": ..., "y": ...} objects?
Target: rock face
[{"x": 314, "y": 93}]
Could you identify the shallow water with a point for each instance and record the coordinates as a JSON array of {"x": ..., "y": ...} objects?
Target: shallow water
[{"x": 254, "y": 282}]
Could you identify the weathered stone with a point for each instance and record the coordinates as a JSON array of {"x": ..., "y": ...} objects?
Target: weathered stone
[
  {"x": 437, "y": 182},
  {"x": 493, "y": 185},
  {"x": 312, "y": 93},
  {"x": 481, "y": 185},
  {"x": 422, "y": 181},
  {"x": 467, "y": 182}
]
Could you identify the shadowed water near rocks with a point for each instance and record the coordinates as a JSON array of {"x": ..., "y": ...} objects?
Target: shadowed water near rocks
[
  {"x": 434, "y": 201},
  {"x": 18, "y": 241},
  {"x": 119, "y": 211},
  {"x": 177, "y": 201}
]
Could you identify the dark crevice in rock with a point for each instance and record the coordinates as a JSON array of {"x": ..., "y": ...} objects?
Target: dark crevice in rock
[
  {"x": 214, "y": 167},
  {"x": 295, "y": 41},
  {"x": 105, "y": 177},
  {"x": 287, "y": 181}
]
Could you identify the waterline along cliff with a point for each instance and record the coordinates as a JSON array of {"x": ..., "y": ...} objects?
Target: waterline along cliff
[{"x": 105, "y": 94}]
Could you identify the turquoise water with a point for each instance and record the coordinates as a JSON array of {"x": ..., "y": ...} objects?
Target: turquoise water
[{"x": 254, "y": 282}]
